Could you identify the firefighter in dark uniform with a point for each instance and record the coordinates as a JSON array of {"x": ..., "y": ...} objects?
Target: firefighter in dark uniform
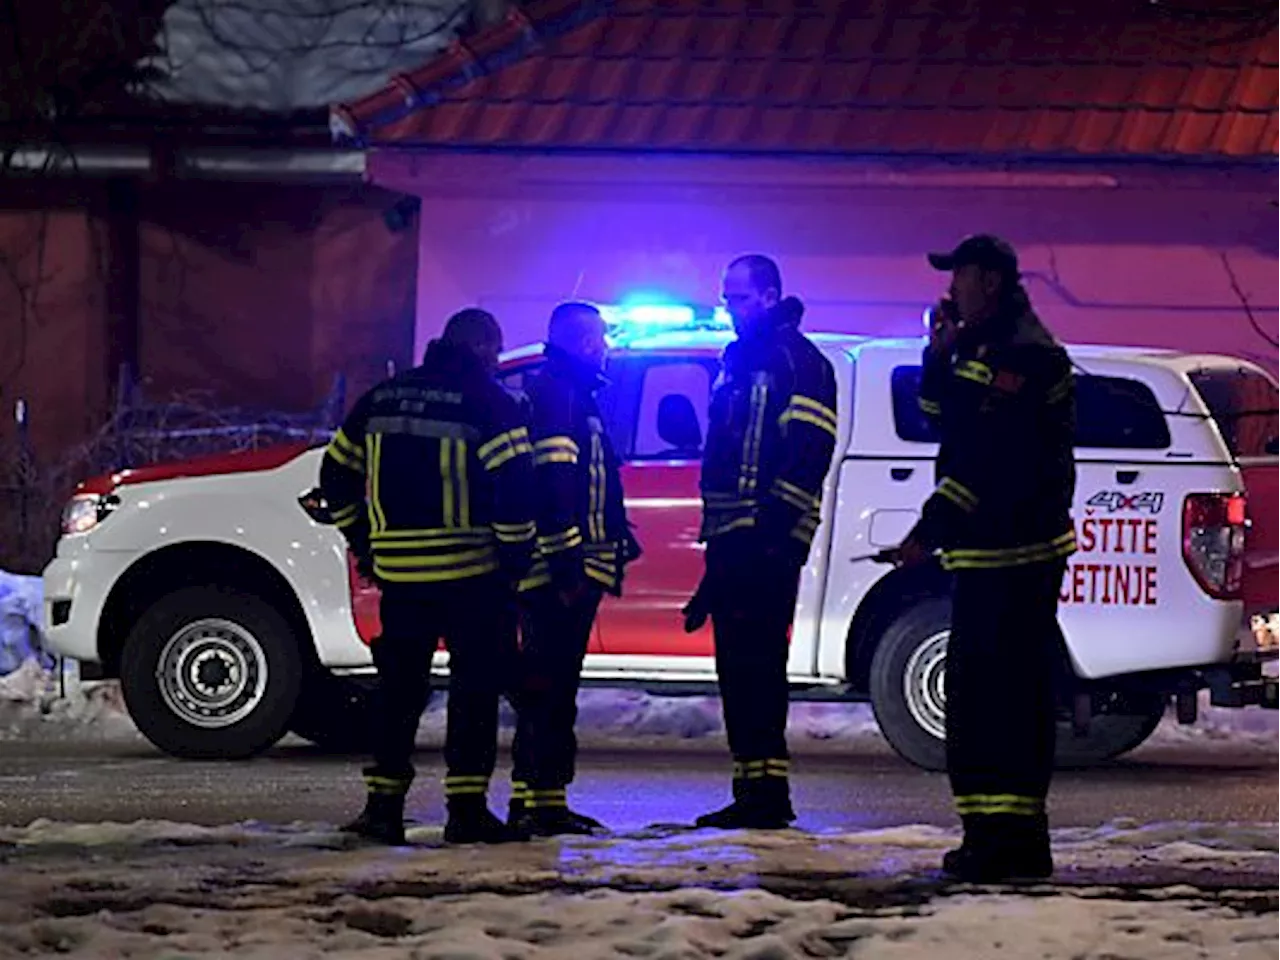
[
  {"x": 1000, "y": 389},
  {"x": 429, "y": 479},
  {"x": 770, "y": 439},
  {"x": 583, "y": 544}
]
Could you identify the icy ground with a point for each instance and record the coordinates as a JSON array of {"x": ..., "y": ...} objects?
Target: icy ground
[
  {"x": 32, "y": 705},
  {"x": 166, "y": 890}
]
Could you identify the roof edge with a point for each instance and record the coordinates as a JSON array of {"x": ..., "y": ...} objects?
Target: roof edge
[
  {"x": 515, "y": 37},
  {"x": 1252, "y": 161}
]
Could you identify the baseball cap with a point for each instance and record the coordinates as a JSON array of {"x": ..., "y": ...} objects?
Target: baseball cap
[{"x": 981, "y": 250}]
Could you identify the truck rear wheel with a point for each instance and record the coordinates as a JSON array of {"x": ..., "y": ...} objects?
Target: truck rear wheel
[
  {"x": 908, "y": 697},
  {"x": 211, "y": 674}
]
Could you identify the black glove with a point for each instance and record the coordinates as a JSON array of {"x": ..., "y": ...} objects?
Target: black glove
[{"x": 698, "y": 609}]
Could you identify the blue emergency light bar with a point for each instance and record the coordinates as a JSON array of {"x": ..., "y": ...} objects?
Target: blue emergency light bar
[{"x": 646, "y": 318}]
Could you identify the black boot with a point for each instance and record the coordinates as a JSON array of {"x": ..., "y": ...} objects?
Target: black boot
[
  {"x": 471, "y": 821},
  {"x": 761, "y": 803},
  {"x": 557, "y": 821},
  {"x": 382, "y": 819},
  {"x": 999, "y": 848},
  {"x": 547, "y": 814}
]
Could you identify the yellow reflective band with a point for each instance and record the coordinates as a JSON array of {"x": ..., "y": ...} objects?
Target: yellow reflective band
[
  {"x": 342, "y": 458},
  {"x": 433, "y": 576},
  {"x": 564, "y": 540},
  {"x": 807, "y": 410},
  {"x": 505, "y": 447},
  {"x": 342, "y": 442},
  {"x": 796, "y": 496},
  {"x": 515, "y": 437},
  {"x": 515, "y": 532},
  {"x": 519, "y": 790},
  {"x": 976, "y": 371},
  {"x": 997, "y": 557},
  {"x": 930, "y": 407},
  {"x": 394, "y": 786},
  {"x": 460, "y": 558},
  {"x": 559, "y": 449},
  {"x": 546, "y": 799},
  {"x": 596, "y": 480},
  {"x": 377, "y": 516},
  {"x": 991, "y": 803},
  {"x": 715, "y": 528},
  {"x": 959, "y": 494},
  {"x": 391, "y": 538},
  {"x": 749, "y": 474}
]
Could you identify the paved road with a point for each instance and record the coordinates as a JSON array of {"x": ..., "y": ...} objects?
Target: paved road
[{"x": 860, "y": 787}]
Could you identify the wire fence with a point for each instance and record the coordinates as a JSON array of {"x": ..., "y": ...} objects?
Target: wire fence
[{"x": 138, "y": 432}]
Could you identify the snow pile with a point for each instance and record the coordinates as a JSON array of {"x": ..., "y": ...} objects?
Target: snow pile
[
  {"x": 680, "y": 925},
  {"x": 168, "y": 890}
]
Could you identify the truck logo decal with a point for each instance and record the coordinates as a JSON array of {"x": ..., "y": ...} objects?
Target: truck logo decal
[
  {"x": 1113, "y": 501},
  {"x": 1116, "y": 564}
]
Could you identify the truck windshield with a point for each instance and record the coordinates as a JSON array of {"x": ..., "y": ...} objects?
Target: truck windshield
[{"x": 1243, "y": 403}]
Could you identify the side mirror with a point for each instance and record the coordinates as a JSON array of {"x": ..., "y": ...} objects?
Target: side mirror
[{"x": 313, "y": 504}]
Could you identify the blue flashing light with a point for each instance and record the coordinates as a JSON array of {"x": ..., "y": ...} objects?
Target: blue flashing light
[{"x": 636, "y": 318}]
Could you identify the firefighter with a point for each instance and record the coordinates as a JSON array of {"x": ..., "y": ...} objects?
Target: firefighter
[
  {"x": 583, "y": 544},
  {"x": 428, "y": 479},
  {"x": 1000, "y": 390},
  {"x": 770, "y": 440}
]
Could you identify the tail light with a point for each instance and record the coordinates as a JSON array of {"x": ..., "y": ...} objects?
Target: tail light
[{"x": 1213, "y": 529}]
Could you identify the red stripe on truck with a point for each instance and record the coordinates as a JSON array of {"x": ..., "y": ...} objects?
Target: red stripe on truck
[{"x": 250, "y": 461}]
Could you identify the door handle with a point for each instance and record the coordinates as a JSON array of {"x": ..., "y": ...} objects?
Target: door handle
[
  {"x": 1126, "y": 476},
  {"x": 901, "y": 473}
]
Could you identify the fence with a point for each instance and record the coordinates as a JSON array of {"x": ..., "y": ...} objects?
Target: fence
[{"x": 138, "y": 432}]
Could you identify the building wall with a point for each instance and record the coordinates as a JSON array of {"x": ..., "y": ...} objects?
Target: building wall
[
  {"x": 251, "y": 295},
  {"x": 51, "y": 322},
  {"x": 1134, "y": 256}
]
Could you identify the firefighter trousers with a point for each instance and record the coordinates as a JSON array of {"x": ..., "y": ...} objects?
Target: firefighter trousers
[
  {"x": 1002, "y": 658},
  {"x": 477, "y": 620},
  {"x": 554, "y": 639},
  {"x": 752, "y": 603}
]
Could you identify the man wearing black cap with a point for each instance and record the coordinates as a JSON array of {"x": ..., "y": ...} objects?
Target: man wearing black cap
[{"x": 1000, "y": 390}]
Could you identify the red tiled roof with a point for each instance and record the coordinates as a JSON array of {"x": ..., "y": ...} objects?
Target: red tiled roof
[{"x": 1109, "y": 77}]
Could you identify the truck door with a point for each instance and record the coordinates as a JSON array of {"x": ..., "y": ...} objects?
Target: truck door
[{"x": 659, "y": 420}]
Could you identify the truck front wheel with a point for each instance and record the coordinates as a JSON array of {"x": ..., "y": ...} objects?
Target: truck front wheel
[
  {"x": 908, "y": 696},
  {"x": 211, "y": 674}
]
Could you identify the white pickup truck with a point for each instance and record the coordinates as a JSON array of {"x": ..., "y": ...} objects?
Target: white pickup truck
[{"x": 226, "y": 605}]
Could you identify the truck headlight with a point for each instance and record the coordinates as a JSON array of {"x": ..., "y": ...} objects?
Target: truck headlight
[{"x": 85, "y": 511}]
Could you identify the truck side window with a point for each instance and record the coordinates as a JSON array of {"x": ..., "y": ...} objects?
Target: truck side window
[
  {"x": 1242, "y": 403},
  {"x": 671, "y": 418},
  {"x": 1111, "y": 412}
]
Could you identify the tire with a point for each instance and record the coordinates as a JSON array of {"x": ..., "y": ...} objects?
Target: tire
[
  {"x": 335, "y": 714},
  {"x": 909, "y": 701},
  {"x": 1110, "y": 735},
  {"x": 915, "y": 643},
  {"x": 211, "y": 674}
]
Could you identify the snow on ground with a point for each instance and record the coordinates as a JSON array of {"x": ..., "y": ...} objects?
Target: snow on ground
[
  {"x": 165, "y": 890},
  {"x": 32, "y": 705}
]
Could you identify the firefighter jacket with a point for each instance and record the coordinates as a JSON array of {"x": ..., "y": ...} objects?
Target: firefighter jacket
[
  {"x": 582, "y": 524},
  {"x": 1006, "y": 476},
  {"x": 431, "y": 474},
  {"x": 771, "y": 436}
]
